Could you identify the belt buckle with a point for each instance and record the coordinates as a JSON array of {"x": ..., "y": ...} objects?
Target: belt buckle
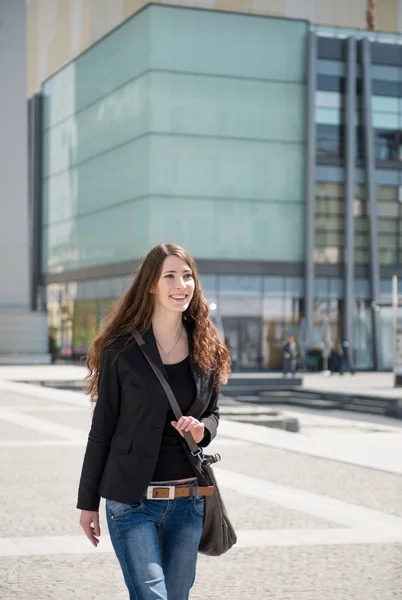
[{"x": 151, "y": 488}]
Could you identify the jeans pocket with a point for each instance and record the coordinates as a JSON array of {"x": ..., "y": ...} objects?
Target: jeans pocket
[
  {"x": 199, "y": 506},
  {"x": 118, "y": 510}
]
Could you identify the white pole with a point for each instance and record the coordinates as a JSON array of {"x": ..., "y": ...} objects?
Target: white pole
[{"x": 394, "y": 315}]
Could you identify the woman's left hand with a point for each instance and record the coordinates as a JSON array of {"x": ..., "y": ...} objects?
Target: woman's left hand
[{"x": 195, "y": 427}]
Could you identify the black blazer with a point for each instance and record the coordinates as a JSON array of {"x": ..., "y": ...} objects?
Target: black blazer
[{"x": 128, "y": 421}]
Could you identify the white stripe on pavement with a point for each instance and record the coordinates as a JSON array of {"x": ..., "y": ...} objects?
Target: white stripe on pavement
[
  {"x": 40, "y": 443},
  {"x": 78, "y": 544},
  {"x": 49, "y": 427},
  {"x": 343, "y": 513},
  {"x": 381, "y": 451}
]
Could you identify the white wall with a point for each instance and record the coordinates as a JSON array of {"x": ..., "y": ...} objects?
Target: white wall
[
  {"x": 23, "y": 334},
  {"x": 14, "y": 274}
]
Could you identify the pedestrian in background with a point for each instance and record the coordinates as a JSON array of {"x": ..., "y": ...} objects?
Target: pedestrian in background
[
  {"x": 289, "y": 355},
  {"x": 135, "y": 456},
  {"x": 347, "y": 362},
  {"x": 336, "y": 358}
]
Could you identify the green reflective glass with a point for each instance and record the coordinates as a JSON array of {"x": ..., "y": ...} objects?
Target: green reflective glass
[
  {"x": 111, "y": 235},
  {"x": 183, "y": 103},
  {"x": 230, "y": 230},
  {"x": 328, "y": 116},
  {"x": 384, "y": 104}
]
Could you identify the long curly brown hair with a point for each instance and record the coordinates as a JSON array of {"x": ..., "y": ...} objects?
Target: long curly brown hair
[{"x": 135, "y": 309}]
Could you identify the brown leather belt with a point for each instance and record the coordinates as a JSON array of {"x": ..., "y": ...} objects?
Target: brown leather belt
[{"x": 171, "y": 492}]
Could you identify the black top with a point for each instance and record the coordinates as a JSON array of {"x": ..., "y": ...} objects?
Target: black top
[{"x": 173, "y": 463}]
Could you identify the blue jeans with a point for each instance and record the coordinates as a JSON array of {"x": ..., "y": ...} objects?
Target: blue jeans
[{"x": 156, "y": 543}]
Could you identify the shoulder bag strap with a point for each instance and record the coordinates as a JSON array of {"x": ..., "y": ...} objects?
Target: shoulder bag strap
[{"x": 169, "y": 393}]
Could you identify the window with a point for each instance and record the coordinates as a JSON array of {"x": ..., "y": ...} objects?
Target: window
[{"x": 329, "y": 222}]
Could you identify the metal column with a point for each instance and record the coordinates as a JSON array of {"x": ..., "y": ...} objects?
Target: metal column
[
  {"x": 310, "y": 181},
  {"x": 350, "y": 162},
  {"x": 35, "y": 196},
  {"x": 371, "y": 195}
]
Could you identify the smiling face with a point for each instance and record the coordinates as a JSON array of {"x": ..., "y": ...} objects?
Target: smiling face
[{"x": 175, "y": 286}]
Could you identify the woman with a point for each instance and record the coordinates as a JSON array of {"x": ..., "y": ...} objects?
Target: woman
[{"x": 135, "y": 456}]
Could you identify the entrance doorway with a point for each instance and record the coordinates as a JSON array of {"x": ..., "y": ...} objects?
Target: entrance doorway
[{"x": 243, "y": 336}]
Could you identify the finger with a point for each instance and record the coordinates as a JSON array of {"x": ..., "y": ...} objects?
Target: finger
[
  {"x": 187, "y": 423},
  {"x": 89, "y": 533},
  {"x": 96, "y": 528},
  {"x": 184, "y": 420},
  {"x": 175, "y": 425},
  {"x": 192, "y": 425}
]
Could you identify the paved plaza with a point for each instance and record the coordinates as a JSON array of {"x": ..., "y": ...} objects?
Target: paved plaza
[{"x": 318, "y": 513}]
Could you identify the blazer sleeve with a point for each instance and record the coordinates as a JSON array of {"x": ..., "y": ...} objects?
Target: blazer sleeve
[
  {"x": 210, "y": 419},
  {"x": 103, "y": 426}
]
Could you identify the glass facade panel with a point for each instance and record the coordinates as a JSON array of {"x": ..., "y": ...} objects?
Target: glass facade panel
[
  {"x": 329, "y": 254},
  {"x": 361, "y": 240},
  {"x": 387, "y": 193},
  {"x": 116, "y": 59},
  {"x": 330, "y": 140},
  {"x": 387, "y": 256},
  {"x": 295, "y": 287},
  {"x": 240, "y": 284},
  {"x": 91, "y": 240},
  {"x": 362, "y": 289},
  {"x": 107, "y": 180},
  {"x": 387, "y": 337},
  {"x": 387, "y": 209},
  {"x": 329, "y": 190},
  {"x": 182, "y": 103},
  {"x": 209, "y": 283},
  {"x": 388, "y": 145},
  {"x": 328, "y": 99},
  {"x": 329, "y": 238},
  {"x": 321, "y": 287},
  {"x": 385, "y": 120},
  {"x": 330, "y": 67},
  {"x": 390, "y": 225},
  {"x": 385, "y": 104},
  {"x": 269, "y": 49},
  {"x": 328, "y": 116},
  {"x": 329, "y": 206},
  {"x": 114, "y": 120},
  {"x": 242, "y": 230},
  {"x": 361, "y": 224},
  {"x": 237, "y": 169},
  {"x": 363, "y": 336},
  {"x": 361, "y": 256}
]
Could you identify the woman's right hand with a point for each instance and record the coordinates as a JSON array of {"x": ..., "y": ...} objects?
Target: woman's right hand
[{"x": 89, "y": 521}]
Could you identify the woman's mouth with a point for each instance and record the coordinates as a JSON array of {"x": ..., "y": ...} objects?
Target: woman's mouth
[{"x": 179, "y": 297}]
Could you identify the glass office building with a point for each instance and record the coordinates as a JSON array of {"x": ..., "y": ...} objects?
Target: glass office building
[{"x": 231, "y": 135}]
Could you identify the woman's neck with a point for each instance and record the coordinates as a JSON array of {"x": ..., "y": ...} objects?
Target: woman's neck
[{"x": 166, "y": 324}]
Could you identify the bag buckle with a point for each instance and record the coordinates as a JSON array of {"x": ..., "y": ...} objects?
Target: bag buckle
[
  {"x": 198, "y": 453},
  {"x": 151, "y": 488}
]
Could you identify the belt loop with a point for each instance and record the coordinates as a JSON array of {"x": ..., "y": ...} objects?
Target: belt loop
[
  {"x": 196, "y": 485},
  {"x": 192, "y": 491}
]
